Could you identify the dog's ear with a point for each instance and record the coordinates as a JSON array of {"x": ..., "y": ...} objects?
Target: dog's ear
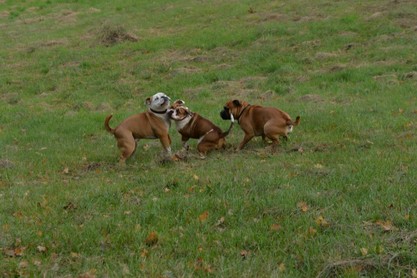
[
  {"x": 148, "y": 101},
  {"x": 237, "y": 103}
]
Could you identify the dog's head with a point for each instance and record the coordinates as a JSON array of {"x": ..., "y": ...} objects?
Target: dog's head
[
  {"x": 232, "y": 109},
  {"x": 159, "y": 102},
  {"x": 177, "y": 103},
  {"x": 179, "y": 113}
]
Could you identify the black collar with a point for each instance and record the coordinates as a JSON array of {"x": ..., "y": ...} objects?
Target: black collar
[
  {"x": 159, "y": 112},
  {"x": 241, "y": 112}
]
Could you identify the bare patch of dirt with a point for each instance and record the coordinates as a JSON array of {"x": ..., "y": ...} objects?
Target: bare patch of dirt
[
  {"x": 312, "y": 98},
  {"x": 5, "y": 164},
  {"x": 325, "y": 55},
  {"x": 110, "y": 35}
]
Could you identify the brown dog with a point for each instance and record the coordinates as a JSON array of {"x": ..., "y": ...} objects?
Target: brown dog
[
  {"x": 151, "y": 124},
  {"x": 192, "y": 125},
  {"x": 256, "y": 120}
]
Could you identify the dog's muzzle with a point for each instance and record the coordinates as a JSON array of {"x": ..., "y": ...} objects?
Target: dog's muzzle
[{"x": 225, "y": 114}]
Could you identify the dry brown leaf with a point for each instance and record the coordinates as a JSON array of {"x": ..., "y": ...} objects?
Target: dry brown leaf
[
  {"x": 244, "y": 254},
  {"x": 144, "y": 253},
  {"x": 41, "y": 249},
  {"x": 414, "y": 273},
  {"x": 322, "y": 222},
  {"x": 364, "y": 251},
  {"x": 385, "y": 225},
  {"x": 302, "y": 206},
  {"x": 65, "y": 171},
  {"x": 203, "y": 217},
  {"x": 312, "y": 231},
  {"x": 23, "y": 264},
  {"x": 281, "y": 267},
  {"x": 275, "y": 227},
  {"x": 152, "y": 239}
]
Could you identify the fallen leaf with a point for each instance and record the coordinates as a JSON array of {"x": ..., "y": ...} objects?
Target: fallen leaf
[
  {"x": 281, "y": 267},
  {"x": 89, "y": 274},
  {"x": 41, "y": 249},
  {"x": 144, "y": 253},
  {"x": 19, "y": 251},
  {"x": 244, "y": 254},
  {"x": 203, "y": 217},
  {"x": 364, "y": 251},
  {"x": 322, "y": 222},
  {"x": 275, "y": 227},
  {"x": 9, "y": 252},
  {"x": 196, "y": 177},
  {"x": 152, "y": 239},
  {"x": 23, "y": 264},
  {"x": 385, "y": 225},
  {"x": 414, "y": 273},
  {"x": 302, "y": 206},
  {"x": 65, "y": 171},
  {"x": 312, "y": 231}
]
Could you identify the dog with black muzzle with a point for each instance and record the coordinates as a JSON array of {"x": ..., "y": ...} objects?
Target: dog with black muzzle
[
  {"x": 193, "y": 125},
  {"x": 152, "y": 124},
  {"x": 255, "y": 120}
]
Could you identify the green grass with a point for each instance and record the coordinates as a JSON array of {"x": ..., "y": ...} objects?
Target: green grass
[{"x": 344, "y": 204}]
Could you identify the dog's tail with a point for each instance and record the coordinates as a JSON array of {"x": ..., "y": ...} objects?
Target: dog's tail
[
  {"x": 106, "y": 124},
  {"x": 297, "y": 121},
  {"x": 291, "y": 124},
  {"x": 224, "y": 134}
]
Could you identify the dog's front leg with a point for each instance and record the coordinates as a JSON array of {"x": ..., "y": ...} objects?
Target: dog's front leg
[
  {"x": 246, "y": 139},
  {"x": 184, "y": 140},
  {"x": 166, "y": 143}
]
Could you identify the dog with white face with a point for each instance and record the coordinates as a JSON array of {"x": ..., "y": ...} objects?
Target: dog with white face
[{"x": 152, "y": 124}]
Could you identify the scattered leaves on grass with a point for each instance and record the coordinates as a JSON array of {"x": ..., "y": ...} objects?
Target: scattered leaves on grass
[
  {"x": 152, "y": 239},
  {"x": 202, "y": 266},
  {"x": 15, "y": 252}
]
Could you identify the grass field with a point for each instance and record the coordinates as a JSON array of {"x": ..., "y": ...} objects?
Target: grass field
[{"x": 338, "y": 199}]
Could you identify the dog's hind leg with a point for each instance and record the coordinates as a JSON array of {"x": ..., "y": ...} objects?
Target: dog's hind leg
[{"x": 127, "y": 147}]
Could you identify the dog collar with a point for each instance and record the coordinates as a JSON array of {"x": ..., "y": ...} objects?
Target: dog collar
[
  {"x": 241, "y": 112},
  {"x": 158, "y": 112}
]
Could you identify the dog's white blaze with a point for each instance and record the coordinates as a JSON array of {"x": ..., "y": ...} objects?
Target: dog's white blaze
[
  {"x": 202, "y": 137},
  {"x": 232, "y": 118},
  {"x": 181, "y": 124}
]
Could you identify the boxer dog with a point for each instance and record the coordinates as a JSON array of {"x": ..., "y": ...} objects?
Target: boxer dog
[
  {"x": 152, "y": 124},
  {"x": 256, "y": 120},
  {"x": 192, "y": 125}
]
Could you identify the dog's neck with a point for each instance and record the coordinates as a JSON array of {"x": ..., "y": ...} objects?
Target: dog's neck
[
  {"x": 162, "y": 115},
  {"x": 241, "y": 112},
  {"x": 158, "y": 112},
  {"x": 180, "y": 124}
]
